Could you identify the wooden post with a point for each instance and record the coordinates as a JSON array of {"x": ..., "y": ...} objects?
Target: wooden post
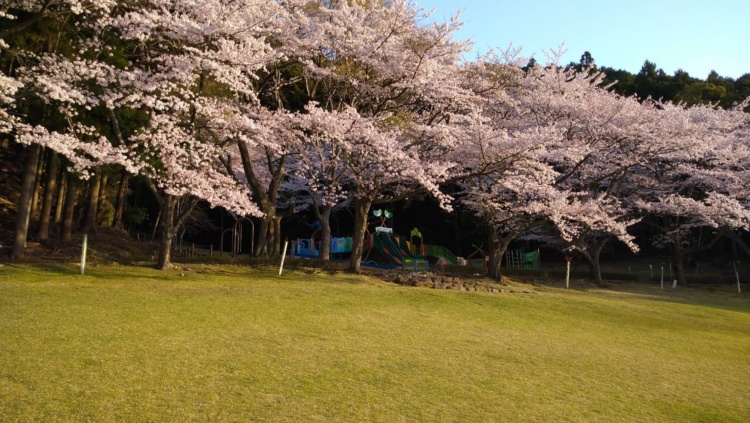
[
  {"x": 211, "y": 250},
  {"x": 283, "y": 256},
  {"x": 83, "y": 253},
  {"x": 567, "y": 273},
  {"x": 651, "y": 267}
]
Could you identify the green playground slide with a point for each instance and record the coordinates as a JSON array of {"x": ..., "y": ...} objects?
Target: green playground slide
[
  {"x": 411, "y": 261},
  {"x": 385, "y": 247},
  {"x": 438, "y": 251},
  {"x": 399, "y": 255},
  {"x": 405, "y": 249}
]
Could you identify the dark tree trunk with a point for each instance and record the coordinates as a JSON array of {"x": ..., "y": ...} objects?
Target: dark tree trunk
[
  {"x": 60, "y": 203},
  {"x": 271, "y": 238},
  {"x": 261, "y": 238},
  {"x": 102, "y": 202},
  {"x": 103, "y": 189},
  {"x": 121, "y": 196},
  {"x": 595, "y": 269},
  {"x": 71, "y": 197},
  {"x": 276, "y": 236},
  {"x": 266, "y": 244},
  {"x": 593, "y": 257},
  {"x": 498, "y": 245},
  {"x": 172, "y": 219},
  {"x": 324, "y": 217},
  {"x": 23, "y": 215},
  {"x": 168, "y": 231},
  {"x": 457, "y": 232},
  {"x": 49, "y": 194},
  {"x": 361, "y": 210},
  {"x": 678, "y": 260},
  {"x": 89, "y": 222},
  {"x": 37, "y": 185},
  {"x": 679, "y": 273}
]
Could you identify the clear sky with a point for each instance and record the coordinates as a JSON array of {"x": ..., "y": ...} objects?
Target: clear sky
[{"x": 694, "y": 35}]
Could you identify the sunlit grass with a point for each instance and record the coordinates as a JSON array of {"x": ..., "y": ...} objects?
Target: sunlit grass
[{"x": 231, "y": 343}]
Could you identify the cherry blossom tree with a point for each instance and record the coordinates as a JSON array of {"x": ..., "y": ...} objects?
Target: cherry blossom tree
[
  {"x": 605, "y": 136},
  {"x": 392, "y": 82},
  {"x": 187, "y": 62},
  {"x": 19, "y": 47},
  {"x": 221, "y": 48},
  {"x": 680, "y": 168},
  {"x": 319, "y": 169},
  {"x": 257, "y": 157},
  {"x": 543, "y": 144},
  {"x": 698, "y": 192}
]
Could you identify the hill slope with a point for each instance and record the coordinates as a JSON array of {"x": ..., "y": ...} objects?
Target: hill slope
[{"x": 238, "y": 344}]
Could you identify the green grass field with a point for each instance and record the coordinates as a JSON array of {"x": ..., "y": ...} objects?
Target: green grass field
[{"x": 230, "y": 343}]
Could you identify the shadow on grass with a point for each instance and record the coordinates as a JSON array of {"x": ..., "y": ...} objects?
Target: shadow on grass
[
  {"x": 717, "y": 295},
  {"x": 54, "y": 270}
]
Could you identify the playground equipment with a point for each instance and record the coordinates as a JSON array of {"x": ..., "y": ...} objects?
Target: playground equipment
[
  {"x": 305, "y": 247},
  {"x": 419, "y": 248},
  {"x": 310, "y": 247},
  {"x": 237, "y": 237},
  {"x": 518, "y": 259},
  {"x": 396, "y": 250},
  {"x": 384, "y": 216},
  {"x": 478, "y": 258},
  {"x": 414, "y": 248},
  {"x": 392, "y": 248},
  {"x": 439, "y": 252}
]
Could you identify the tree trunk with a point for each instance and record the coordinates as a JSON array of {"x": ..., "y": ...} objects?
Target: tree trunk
[
  {"x": 49, "y": 192},
  {"x": 60, "y": 203},
  {"x": 268, "y": 237},
  {"x": 103, "y": 213},
  {"x": 121, "y": 196},
  {"x": 593, "y": 258},
  {"x": 168, "y": 203},
  {"x": 103, "y": 189},
  {"x": 71, "y": 197},
  {"x": 261, "y": 238},
  {"x": 678, "y": 260},
  {"x": 361, "y": 210},
  {"x": 498, "y": 245},
  {"x": 595, "y": 270},
  {"x": 89, "y": 222},
  {"x": 24, "y": 203},
  {"x": 324, "y": 217},
  {"x": 276, "y": 236},
  {"x": 457, "y": 233},
  {"x": 37, "y": 185},
  {"x": 679, "y": 273},
  {"x": 271, "y": 238}
]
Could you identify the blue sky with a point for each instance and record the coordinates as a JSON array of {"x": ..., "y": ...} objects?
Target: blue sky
[{"x": 694, "y": 35}]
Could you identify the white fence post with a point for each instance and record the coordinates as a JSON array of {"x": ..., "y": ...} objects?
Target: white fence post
[
  {"x": 83, "y": 253},
  {"x": 283, "y": 256}
]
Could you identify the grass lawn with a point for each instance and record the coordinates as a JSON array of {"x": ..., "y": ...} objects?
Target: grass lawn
[{"x": 226, "y": 343}]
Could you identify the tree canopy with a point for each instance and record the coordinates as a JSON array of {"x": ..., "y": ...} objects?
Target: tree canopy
[{"x": 266, "y": 108}]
